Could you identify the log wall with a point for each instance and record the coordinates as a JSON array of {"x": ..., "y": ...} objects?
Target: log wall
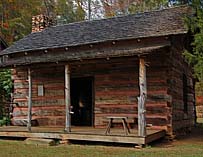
[
  {"x": 183, "y": 119},
  {"x": 116, "y": 90},
  {"x": 48, "y": 109}
]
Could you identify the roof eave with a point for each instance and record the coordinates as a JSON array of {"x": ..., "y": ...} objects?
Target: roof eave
[{"x": 4, "y": 52}]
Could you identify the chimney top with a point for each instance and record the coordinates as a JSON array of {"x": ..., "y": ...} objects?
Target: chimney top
[{"x": 40, "y": 22}]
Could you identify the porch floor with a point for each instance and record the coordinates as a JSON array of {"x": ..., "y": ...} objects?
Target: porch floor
[{"x": 116, "y": 135}]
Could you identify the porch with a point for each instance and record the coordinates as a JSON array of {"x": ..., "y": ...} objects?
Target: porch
[
  {"x": 117, "y": 135},
  {"x": 53, "y": 99}
]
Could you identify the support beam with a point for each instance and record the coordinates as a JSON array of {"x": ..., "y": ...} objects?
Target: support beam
[
  {"x": 142, "y": 99},
  {"x": 29, "y": 100},
  {"x": 67, "y": 99}
]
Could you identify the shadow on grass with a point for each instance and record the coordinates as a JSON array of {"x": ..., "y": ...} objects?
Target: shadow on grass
[{"x": 101, "y": 143}]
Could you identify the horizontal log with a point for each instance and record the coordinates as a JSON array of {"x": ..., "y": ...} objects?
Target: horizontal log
[
  {"x": 47, "y": 102},
  {"x": 154, "y": 94},
  {"x": 130, "y": 115},
  {"x": 40, "y": 80},
  {"x": 36, "y": 117},
  {"x": 157, "y": 127},
  {"x": 199, "y": 109},
  {"x": 39, "y": 112},
  {"x": 126, "y": 82},
  {"x": 148, "y": 104},
  {"x": 34, "y": 90},
  {"x": 199, "y": 100},
  {"x": 182, "y": 124},
  {"x": 115, "y": 105},
  {"x": 38, "y": 121},
  {"x": 34, "y": 108},
  {"x": 199, "y": 115},
  {"x": 41, "y": 98},
  {"x": 49, "y": 86}
]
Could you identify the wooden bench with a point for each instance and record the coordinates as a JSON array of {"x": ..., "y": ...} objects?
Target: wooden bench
[{"x": 122, "y": 120}]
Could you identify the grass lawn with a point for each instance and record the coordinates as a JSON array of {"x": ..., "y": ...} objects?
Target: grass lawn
[{"x": 20, "y": 149}]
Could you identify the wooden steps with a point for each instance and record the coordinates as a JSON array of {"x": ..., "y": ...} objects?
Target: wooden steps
[{"x": 41, "y": 141}]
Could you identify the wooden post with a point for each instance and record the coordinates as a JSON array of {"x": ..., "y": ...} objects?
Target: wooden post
[
  {"x": 142, "y": 99},
  {"x": 67, "y": 99},
  {"x": 29, "y": 100}
]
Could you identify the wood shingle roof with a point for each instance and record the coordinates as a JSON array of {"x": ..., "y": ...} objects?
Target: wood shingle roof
[{"x": 148, "y": 24}]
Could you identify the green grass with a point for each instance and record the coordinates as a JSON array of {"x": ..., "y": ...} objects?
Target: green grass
[{"x": 20, "y": 149}]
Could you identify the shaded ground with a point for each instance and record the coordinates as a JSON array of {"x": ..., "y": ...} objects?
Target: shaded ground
[
  {"x": 187, "y": 146},
  {"x": 195, "y": 137}
]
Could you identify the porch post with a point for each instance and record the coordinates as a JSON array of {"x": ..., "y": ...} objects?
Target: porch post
[
  {"x": 29, "y": 100},
  {"x": 67, "y": 99},
  {"x": 142, "y": 99}
]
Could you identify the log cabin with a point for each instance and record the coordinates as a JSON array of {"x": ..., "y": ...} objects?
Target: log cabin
[{"x": 85, "y": 73}]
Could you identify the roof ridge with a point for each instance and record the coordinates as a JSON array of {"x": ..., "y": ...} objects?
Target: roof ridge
[{"x": 122, "y": 16}]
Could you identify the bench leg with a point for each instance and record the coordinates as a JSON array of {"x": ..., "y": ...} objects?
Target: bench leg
[
  {"x": 125, "y": 127},
  {"x": 108, "y": 127}
]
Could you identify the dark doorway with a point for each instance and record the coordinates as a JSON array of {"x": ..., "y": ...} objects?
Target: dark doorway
[{"x": 81, "y": 101}]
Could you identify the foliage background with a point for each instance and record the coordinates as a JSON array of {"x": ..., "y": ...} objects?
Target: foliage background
[{"x": 195, "y": 25}]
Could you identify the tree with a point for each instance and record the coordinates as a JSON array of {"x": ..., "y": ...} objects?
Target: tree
[
  {"x": 69, "y": 11},
  {"x": 16, "y": 17},
  {"x": 148, "y": 5},
  {"x": 5, "y": 84},
  {"x": 122, "y": 7},
  {"x": 195, "y": 25}
]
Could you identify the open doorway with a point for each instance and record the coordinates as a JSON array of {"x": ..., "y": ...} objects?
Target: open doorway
[{"x": 81, "y": 101}]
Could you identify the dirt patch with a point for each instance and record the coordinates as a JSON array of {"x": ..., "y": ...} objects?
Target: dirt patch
[{"x": 194, "y": 137}]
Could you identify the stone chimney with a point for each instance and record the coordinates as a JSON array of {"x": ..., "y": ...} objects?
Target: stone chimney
[{"x": 40, "y": 22}]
